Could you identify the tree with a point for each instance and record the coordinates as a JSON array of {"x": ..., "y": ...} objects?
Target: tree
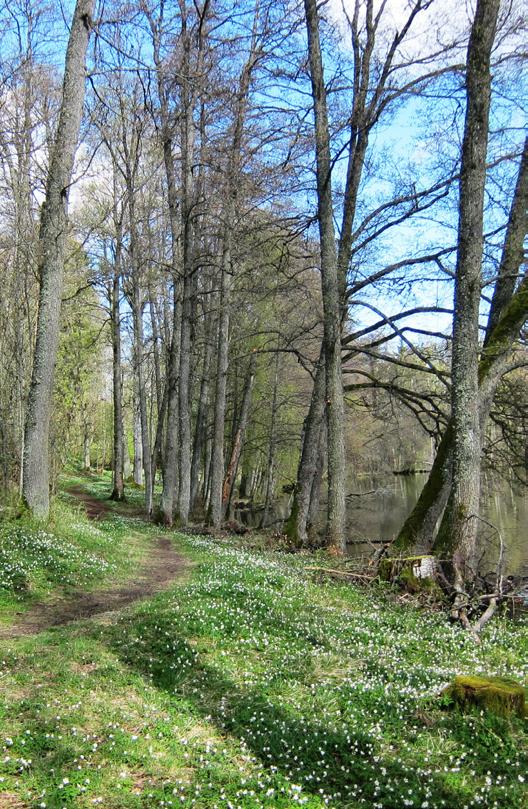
[
  {"x": 335, "y": 531},
  {"x": 381, "y": 79},
  {"x": 52, "y": 236},
  {"x": 508, "y": 308}
]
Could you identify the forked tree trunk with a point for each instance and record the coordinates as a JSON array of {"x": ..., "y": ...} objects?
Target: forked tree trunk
[
  {"x": 52, "y": 238},
  {"x": 312, "y": 460}
]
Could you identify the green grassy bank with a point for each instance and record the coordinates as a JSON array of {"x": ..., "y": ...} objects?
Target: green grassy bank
[{"x": 247, "y": 684}]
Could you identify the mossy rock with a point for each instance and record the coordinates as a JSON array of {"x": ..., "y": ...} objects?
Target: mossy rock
[
  {"x": 415, "y": 574},
  {"x": 499, "y": 695}
]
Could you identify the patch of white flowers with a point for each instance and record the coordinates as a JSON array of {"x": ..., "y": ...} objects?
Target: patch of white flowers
[
  {"x": 251, "y": 687},
  {"x": 25, "y": 552}
]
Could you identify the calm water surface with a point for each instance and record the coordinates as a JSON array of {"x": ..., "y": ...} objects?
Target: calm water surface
[{"x": 381, "y": 507}]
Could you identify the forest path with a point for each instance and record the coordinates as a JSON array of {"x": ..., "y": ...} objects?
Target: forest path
[{"x": 162, "y": 566}]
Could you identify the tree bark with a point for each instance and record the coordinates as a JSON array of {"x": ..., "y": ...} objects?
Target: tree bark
[
  {"x": 170, "y": 472},
  {"x": 238, "y": 440},
  {"x": 201, "y": 421},
  {"x": 52, "y": 237},
  {"x": 184, "y": 497},
  {"x": 513, "y": 252},
  {"x": 137, "y": 317},
  {"x": 138, "y": 451},
  {"x": 215, "y": 509},
  {"x": 270, "y": 465},
  {"x": 507, "y": 309},
  {"x": 297, "y": 525},
  {"x": 118, "y": 488},
  {"x": 336, "y": 516},
  {"x": 458, "y": 530},
  {"x": 312, "y": 459}
]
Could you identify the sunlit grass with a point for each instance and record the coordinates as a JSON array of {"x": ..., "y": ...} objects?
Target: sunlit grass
[{"x": 253, "y": 685}]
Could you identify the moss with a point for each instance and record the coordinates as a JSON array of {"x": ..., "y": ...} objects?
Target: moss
[
  {"x": 290, "y": 527},
  {"x": 412, "y": 527},
  {"x": 496, "y": 694},
  {"x": 385, "y": 569},
  {"x": 401, "y": 571},
  {"x": 504, "y": 332}
]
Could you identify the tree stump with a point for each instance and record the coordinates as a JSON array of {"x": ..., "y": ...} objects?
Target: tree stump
[
  {"x": 499, "y": 695},
  {"x": 415, "y": 574}
]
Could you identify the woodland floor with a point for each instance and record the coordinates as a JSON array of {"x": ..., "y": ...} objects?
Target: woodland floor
[
  {"x": 158, "y": 571},
  {"x": 223, "y": 675}
]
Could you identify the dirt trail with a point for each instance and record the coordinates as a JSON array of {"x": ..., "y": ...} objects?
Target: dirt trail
[{"x": 162, "y": 566}]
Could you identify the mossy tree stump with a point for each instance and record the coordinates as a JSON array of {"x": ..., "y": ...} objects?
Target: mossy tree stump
[
  {"x": 415, "y": 574},
  {"x": 496, "y": 694}
]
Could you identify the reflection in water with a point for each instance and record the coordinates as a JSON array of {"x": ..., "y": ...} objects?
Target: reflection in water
[
  {"x": 379, "y": 514},
  {"x": 378, "y": 507}
]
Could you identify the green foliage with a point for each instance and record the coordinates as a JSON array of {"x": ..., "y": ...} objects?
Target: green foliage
[{"x": 79, "y": 412}]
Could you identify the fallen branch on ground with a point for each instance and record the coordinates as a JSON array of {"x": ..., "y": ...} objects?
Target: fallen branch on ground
[{"x": 347, "y": 573}]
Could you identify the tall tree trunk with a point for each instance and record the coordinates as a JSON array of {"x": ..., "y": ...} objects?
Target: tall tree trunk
[
  {"x": 201, "y": 421},
  {"x": 52, "y": 238},
  {"x": 118, "y": 488},
  {"x": 313, "y": 516},
  {"x": 458, "y": 530},
  {"x": 157, "y": 451},
  {"x": 270, "y": 465},
  {"x": 156, "y": 353},
  {"x": 87, "y": 441},
  {"x": 138, "y": 445},
  {"x": 215, "y": 512},
  {"x": 336, "y": 517},
  {"x": 184, "y": 498},
  {"x": 137, "y": 316},
  {"x": 170, "y": 466},
  {"x": 506, "y": 309},
  {"x": 238, "y": 440},
  {"x": 312, "y": 460},
  {"x": 170, "y": 491},
  {"x": 297, "y": 524}
]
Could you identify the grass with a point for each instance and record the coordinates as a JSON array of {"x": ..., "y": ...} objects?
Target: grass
[
  {"x": 250, "y": 684},
  {"x": 39, "y": 562}
]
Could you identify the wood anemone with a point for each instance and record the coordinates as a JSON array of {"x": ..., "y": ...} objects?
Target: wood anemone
[{"x": 499, "y": 695}]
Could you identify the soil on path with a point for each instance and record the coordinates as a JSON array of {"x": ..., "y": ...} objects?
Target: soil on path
[{"x": 161, "y": 567}]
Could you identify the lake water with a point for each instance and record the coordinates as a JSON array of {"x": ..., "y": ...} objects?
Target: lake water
[
  {"x": 382, "y": 506},
  {"x": 379, "y": 506}
]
